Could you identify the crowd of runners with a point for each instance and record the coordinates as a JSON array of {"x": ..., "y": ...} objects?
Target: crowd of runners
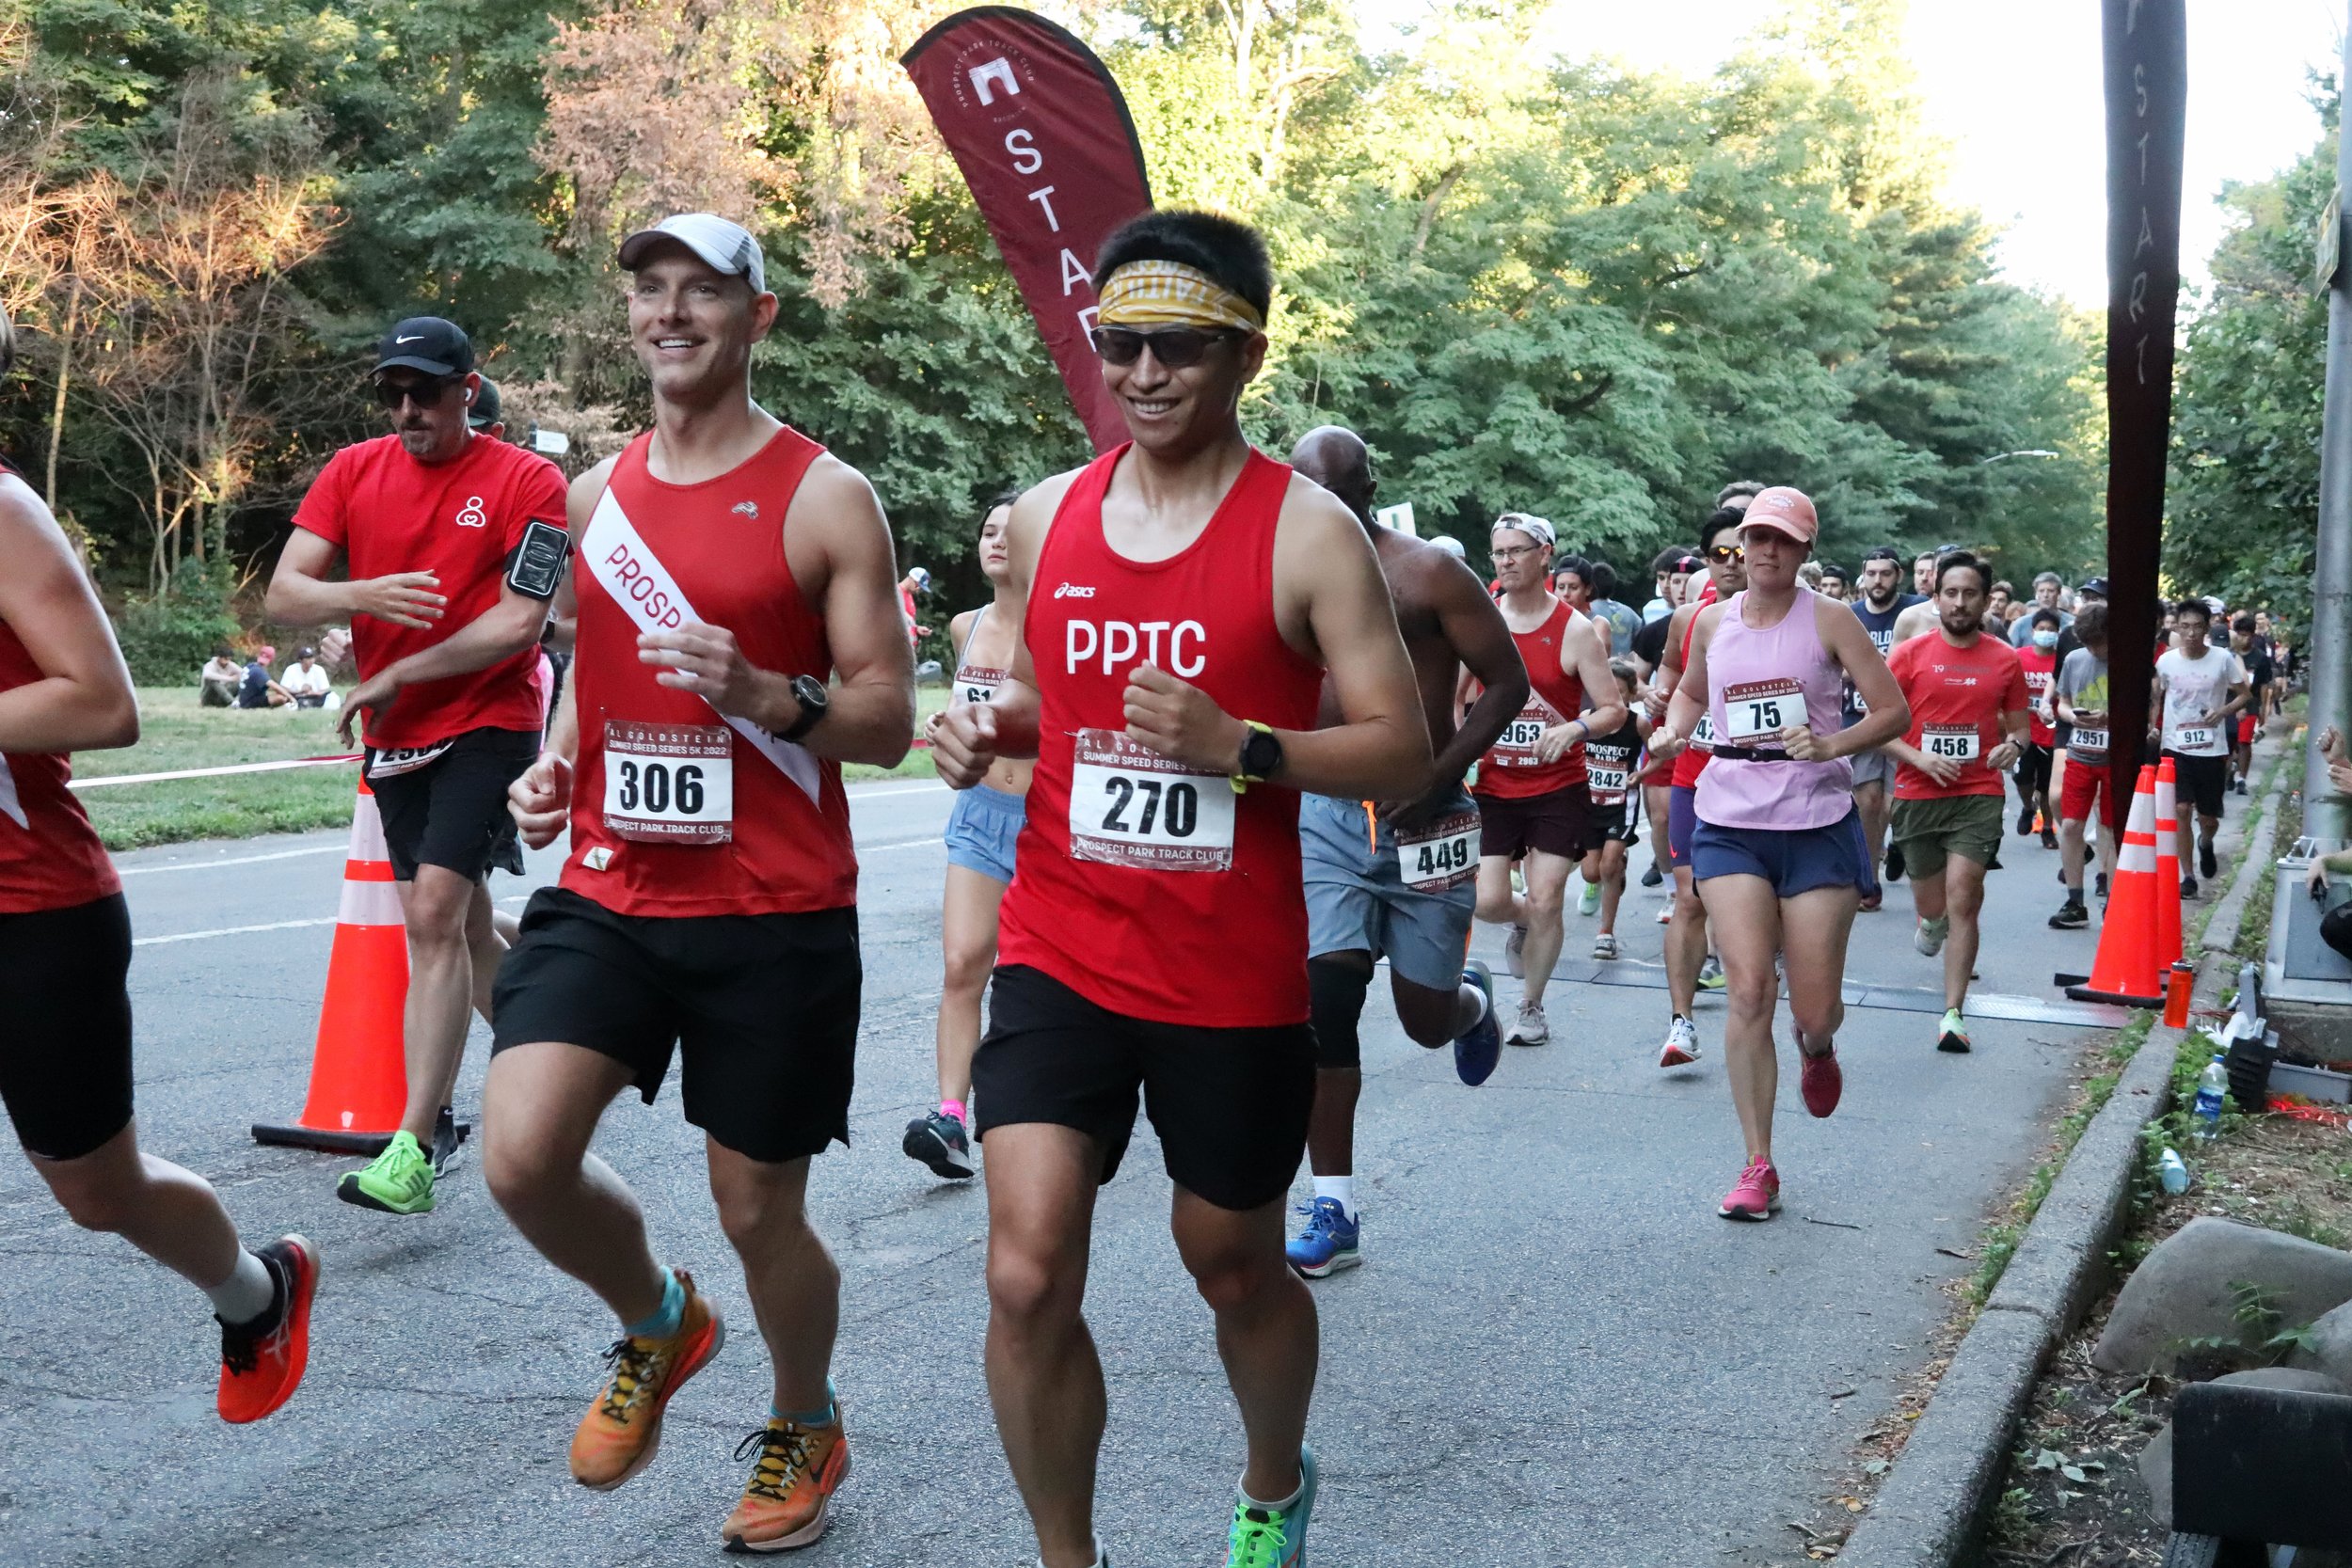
[{"x": 1221, "y": 745}]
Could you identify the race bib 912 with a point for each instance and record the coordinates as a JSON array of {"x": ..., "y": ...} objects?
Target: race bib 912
[
  {"x": 2191, "y": 738},
  {"x": 1130, "y": 806}
]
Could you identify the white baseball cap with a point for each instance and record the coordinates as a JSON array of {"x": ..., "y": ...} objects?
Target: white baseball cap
[{"x": 728, "y": 246}]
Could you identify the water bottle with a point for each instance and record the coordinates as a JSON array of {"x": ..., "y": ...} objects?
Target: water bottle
[
  {"x": 2212, "y": 1083},
  {"x": 2174, "y": 1172}
]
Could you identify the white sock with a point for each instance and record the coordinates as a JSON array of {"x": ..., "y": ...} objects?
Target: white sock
[
  {"x": 1282, "y": 1506},
  {"x": 1470, "y": 1008},
  {"x": 1340, "y": 1187},
  {"x": 247, "y": 1293},
  {"x": 1102, "y": 1558}
]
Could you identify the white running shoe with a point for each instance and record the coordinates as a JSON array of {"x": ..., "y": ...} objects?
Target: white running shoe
[
  {"x": 1605, "y": 946},
  {"x": 1929, "y": 938},
  {"x": 1530, "y": 1029},
  {"x": 1588, "y": 901},
  {"x": 1682, "y": 1044},
  {"x": 1514, "y": 949}
]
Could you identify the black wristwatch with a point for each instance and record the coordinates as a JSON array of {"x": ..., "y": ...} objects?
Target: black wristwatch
[
  {"x": 1260, "y": 754},
  {"x": 810, "y": 693}
]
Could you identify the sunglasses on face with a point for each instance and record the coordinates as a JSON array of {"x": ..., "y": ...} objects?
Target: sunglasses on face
[
  {"x": 1721, "y": 553},
  {"x": 424, "y": 394},
  {"x": 1174, "y": 347}
]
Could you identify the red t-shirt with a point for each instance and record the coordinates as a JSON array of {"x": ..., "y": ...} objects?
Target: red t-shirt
[
  {"x": 1957, "y": 697},
  {"x": 2041, "y": 665},
  {"x": 459, "y": 520}
]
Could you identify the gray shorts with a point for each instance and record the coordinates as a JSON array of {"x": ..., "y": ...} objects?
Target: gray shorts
[
  {"x": 1357, "y": 900},
  {"x": 1873, "y": 767}
]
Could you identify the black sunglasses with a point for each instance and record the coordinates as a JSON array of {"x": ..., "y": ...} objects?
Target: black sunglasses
[
  {"x": 424, "y": 394},
  {"x": 1726, "y": 552},
  {"x": 1174, "y": 347}
]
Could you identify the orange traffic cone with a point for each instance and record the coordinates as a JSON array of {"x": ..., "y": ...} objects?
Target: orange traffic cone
[
  {"x": 2167, "y": 868},
  {"x": 359, "y": 1072},
  {"x": 2126, "y": 970}
]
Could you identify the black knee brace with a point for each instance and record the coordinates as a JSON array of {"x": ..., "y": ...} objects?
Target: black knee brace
[{"x": 1337, "y": 989}]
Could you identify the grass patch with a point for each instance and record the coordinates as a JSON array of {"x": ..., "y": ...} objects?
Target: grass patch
[
  {"x": 176, "y": 732},
  {"x": 2002, "y": 1237}
]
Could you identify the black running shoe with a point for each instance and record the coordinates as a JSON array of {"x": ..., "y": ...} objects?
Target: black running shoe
[
  {"x": 2025, "y": 819},
  {"x": 1893, "y": 862},
  {"x": 938, "y": 1141},
  {"x": 2103, "y": 884},
  {"x": 2208, "y": 866},
  {"x": 1653, "y": 876},
  {"x": 2069, "y": 917},
  {"x": 2188, "y": 887}
]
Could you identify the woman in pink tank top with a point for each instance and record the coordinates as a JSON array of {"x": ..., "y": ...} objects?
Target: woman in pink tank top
[{"x": 1778, "y": 854}]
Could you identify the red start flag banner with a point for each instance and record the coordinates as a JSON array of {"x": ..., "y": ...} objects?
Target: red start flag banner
[{"x": 1043, "y": 138}]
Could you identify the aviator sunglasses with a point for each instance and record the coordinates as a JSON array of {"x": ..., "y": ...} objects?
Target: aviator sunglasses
[{"x": 1174, "y": 347}]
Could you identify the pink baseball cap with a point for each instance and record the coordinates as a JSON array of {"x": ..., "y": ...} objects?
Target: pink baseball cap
[{"x": 1784, "y": 511}]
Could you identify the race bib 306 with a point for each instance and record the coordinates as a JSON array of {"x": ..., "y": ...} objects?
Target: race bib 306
[{"x": 669, "y": 784}]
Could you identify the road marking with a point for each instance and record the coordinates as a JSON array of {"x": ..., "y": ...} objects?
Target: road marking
[
  {"x": 112, "y": 779},
  {"x": 902, "y": 844},
  {"x": 239, "y": 859},
  {"x": 231, "y": 931},
  {"x": 859, "y": 792}
]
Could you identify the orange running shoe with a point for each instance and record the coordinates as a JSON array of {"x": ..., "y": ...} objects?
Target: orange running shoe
[
  {"x": 793, "y": 1480},
  {"x": 262, "y": 1362},
  {"x": 622, "y": 1431}
]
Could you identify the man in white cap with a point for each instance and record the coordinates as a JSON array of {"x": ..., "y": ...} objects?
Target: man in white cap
[
  {"x": 735, "y": 646},
  {"x": 917, "y": 580}
]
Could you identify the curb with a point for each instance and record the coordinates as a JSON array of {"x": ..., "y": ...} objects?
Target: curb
[{"x": 1929, "y": 1510}]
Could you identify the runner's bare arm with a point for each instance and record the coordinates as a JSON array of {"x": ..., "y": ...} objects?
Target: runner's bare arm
[
  {"x": 973, "y": 736},
  {"x": 540, "y": 802},
  {"x": 1690, "y": 686},
  {"x": 1585, "y": 654},
  {"x": 1474, "y": 629},
  {"x": 1916, "y": 621},
  {"x": 837, "y": 544},
  {"x": 2017, "y": 733},
  {"x": 84, "y": 701},
  {"x": 301, "y": 596},
  {"x": 959, "y": 629},
  {"x": 1849, "y": 642}
]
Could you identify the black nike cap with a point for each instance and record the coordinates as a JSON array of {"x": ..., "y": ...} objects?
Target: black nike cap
[{"x": 425, "y": 344}]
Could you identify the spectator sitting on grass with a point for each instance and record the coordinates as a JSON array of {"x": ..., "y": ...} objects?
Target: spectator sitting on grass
[
  {"x": 256, "y": 690},
  {"x": 217, "y": 683},
  {"x": 306, "y": 679}
]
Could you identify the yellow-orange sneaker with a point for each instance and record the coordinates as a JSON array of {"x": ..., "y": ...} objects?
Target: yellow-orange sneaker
[
  {"x": 791, "y": 1487},
  {"x": 621, "y": 1431}
]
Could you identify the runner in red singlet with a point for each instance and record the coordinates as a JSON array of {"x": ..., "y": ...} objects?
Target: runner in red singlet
[
  {"x": 1688, "y": 964},
  {"x": 1182, "y": 612},
  {"x": 726, "y": 566},
  {"x": 983, "y": 832},
  {"x": 1533, "y": 799},
  {"x": 65, "y": 951}
]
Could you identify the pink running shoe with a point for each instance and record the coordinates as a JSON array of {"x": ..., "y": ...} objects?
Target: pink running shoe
[
  {"x": 1755, "y": 1196},
  {"x": 1822, "y": 1080}
]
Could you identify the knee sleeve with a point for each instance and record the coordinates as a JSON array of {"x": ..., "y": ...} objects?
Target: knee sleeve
[{"x": 1336, "y": 992}]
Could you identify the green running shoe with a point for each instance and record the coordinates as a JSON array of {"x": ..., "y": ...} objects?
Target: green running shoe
[
  {"x": 398, "y": 1181},
  {"x": 1588, "y": 901},
  {"x": 1274, "y": 1538},
  {"x": 1953, "y": 1035}
]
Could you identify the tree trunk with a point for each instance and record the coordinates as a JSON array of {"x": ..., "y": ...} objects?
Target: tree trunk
[{"x": 65, "y": 374}]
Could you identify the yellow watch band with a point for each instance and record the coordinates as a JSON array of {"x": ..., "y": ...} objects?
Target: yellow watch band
[{"x": 1241, "y": 780}]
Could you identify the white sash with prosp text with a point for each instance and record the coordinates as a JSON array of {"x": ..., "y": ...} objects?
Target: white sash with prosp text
[{"x": 621, "y": 559}]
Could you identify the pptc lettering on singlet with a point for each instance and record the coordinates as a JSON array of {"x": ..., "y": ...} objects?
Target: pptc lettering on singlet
[
  {"x": 625, "y": 565},
  {"x": 1122, "y": 642}
]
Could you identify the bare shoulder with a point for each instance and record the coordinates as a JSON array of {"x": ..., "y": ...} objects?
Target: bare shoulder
[
  {"x": 958, "y": 628},
  {"x": 588, "y": 489},
  {"x": 836, "y": 493},
  {"x": 26, "y": 524},
  {"x": 1314, "y": 512}
]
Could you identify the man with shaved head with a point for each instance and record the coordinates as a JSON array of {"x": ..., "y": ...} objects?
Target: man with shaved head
[{"x": 1397, "y": 876}]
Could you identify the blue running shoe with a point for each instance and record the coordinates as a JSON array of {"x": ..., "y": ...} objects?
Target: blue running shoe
[
  {"x": 1476, "y": 1052},
  {"x": 1330, "y": 1241},
  {"x": 1274, "y": 1538}
]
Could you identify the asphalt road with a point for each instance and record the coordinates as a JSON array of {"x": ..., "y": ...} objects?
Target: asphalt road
[{"x": 1556, "y": 1354}]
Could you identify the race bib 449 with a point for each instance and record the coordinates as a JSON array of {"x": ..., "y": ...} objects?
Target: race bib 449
[{"x": 1130, "y": 806}]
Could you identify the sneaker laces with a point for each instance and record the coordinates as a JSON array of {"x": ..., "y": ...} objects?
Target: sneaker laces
[
  {"x": 634, "y": 1362},
  {"x": 786, "y": 1450},
  {"x": 1257, "y": 1540}
]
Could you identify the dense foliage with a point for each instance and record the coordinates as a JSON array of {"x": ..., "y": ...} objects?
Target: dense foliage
[
  {"x": 1546, "y": 284},
  {"x": 2245, "y": 488}
]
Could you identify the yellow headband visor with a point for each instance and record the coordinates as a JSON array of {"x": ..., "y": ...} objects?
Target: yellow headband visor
[{"x": 1169, "y": 293}]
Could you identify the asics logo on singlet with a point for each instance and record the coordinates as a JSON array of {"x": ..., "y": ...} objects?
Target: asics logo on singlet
[
  {"x": 748, "y": 508},
  {"x": 1121, "y": 642},
  {"x": 1072, "y": 591}
]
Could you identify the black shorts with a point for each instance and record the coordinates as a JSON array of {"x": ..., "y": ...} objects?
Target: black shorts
[
  {"x": 1230, "y": 1105},
  {"x": 763, "y": 1007},
  {"x": 451, "y": 812},
  {"x": 65, "y": 1025},
  {"x": 1614, "y": 821},
  {"x": 1559, "y": 823},
  {"x": 2201, "y": 782},
  {"x": 2033, "y": 770}
]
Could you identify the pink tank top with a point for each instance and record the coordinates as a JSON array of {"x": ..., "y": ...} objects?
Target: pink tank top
[{"x": 1758, "y": 678}]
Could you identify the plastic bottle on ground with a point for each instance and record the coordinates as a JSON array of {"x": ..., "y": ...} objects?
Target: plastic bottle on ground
[{"x": 2212, "y": 1086}]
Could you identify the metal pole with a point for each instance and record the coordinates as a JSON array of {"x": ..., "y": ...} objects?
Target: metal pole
[{"x": 2328, "y": 640}]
